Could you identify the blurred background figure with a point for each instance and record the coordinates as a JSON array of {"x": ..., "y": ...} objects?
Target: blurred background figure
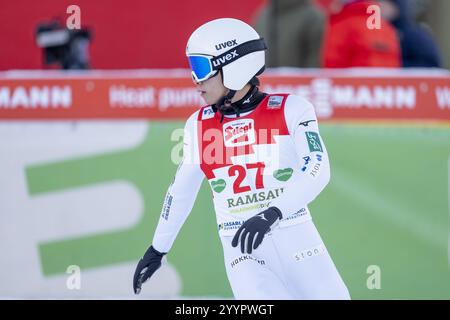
[
  {"x": 293, "y": 31},
  {"x": 418, "y": 48},
  {"x": 348, "y": 42},
  {"x": 419, "y": 9}
]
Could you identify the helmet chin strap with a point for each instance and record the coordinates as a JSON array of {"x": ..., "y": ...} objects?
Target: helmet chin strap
[
  {"x": 225, "y": 104},
  {"x": 247, "y": 103}
]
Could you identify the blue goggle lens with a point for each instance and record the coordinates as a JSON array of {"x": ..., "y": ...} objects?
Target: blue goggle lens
[{"x": 201, "y": 67}]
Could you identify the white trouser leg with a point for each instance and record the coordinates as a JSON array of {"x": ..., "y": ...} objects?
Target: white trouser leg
[
  {"x": 252, "y": 276},
  {"x": 291, "y": 263},
  {"x": 307, "y": 265}
]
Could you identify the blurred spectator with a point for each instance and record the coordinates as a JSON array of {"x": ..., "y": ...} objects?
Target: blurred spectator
[
  {"x": 348, "y": 42},
  {"x": 419, "y": 9},
  {"x": 417, "y": 46},
  {"x": 293, "y": 31}
]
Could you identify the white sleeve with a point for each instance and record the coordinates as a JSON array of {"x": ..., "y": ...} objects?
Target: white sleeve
[
  {"x": 314, "y": 173},
  {"x": 182, "y": 192}
]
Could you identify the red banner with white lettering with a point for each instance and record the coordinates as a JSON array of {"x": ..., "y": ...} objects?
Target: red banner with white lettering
[{"x": 361, "y": 94}]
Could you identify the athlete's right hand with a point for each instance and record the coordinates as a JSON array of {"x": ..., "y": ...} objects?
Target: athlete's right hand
[{"x": 149, "y": 263}]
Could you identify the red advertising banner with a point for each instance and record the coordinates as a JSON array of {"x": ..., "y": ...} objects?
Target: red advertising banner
[{"x": 357, "y": 94}]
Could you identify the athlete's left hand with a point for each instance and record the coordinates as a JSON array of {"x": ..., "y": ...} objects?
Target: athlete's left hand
[{"x": 259, "y": 224}]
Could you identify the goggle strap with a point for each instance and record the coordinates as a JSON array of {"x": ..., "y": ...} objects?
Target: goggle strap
[{"x": 239, "y": 51}]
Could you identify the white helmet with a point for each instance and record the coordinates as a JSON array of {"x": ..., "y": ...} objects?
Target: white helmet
[{"x": 228, "y": 44}]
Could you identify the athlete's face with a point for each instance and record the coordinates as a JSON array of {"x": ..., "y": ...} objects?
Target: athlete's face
[{"x": 211, "y": 89}]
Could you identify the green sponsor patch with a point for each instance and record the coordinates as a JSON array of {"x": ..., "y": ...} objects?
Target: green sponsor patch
[
  {"x": 283, "y": 174},
  {"x": 218, "y": 185},
  {"x": 313, "y": 141}
]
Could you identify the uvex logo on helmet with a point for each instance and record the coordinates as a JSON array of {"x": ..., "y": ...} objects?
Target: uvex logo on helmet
[
  {"x": 239, "y": 133},
  {"x": 226, "y": 44},
  {"x": 221, "y": 60}
]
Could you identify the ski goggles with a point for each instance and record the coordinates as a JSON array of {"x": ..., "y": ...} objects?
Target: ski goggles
[{"x": 204, "y": 67}]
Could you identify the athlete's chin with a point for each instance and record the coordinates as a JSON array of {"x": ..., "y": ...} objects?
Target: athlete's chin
[{"x": 207, "y": 99}]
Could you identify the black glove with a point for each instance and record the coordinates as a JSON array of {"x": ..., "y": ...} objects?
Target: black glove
[
  {"x": 259, "y": 224},
  {"x": 149, "y": 263}
]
